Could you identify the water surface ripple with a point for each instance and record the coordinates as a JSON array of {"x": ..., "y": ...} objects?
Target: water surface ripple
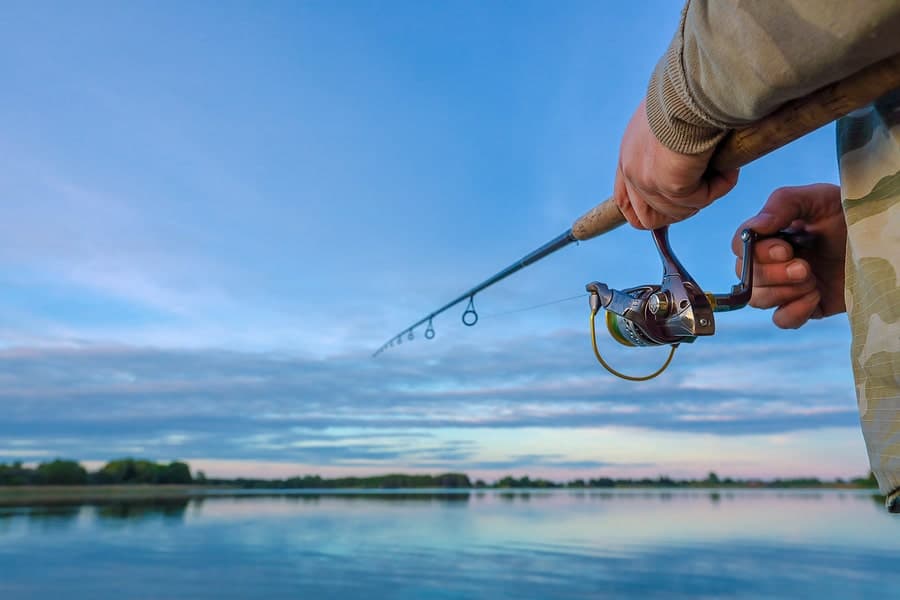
[{"x": 423, "y": 545}]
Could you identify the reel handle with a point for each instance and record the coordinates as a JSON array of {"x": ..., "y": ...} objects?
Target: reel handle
[{"x": 740, "y": 294}]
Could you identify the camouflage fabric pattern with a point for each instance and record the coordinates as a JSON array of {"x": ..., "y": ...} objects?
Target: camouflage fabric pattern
[{"x": 869, "y": 154}]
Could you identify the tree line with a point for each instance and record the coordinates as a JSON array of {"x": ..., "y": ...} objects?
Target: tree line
[
  {"x": 663, "y": 481},
  {"x": 390, "y": 481},
  {"x": 462, "y": 481},
  {"x": 136, "y": 471},
  {"x": 120, "y": 471}
]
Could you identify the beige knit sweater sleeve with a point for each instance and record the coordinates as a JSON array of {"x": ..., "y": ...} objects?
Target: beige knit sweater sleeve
[{"x": 732, "y": 62}]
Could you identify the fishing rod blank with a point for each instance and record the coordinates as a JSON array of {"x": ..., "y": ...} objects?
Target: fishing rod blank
[{"x": 470, "y": 315}]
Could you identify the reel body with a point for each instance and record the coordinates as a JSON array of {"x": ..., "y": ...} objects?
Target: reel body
[{"x": 677, "y": 310}]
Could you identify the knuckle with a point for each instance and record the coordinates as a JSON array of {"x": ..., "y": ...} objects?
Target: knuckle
[
  {"x": 781, "y": 193},
  {"x": 677, "y": 189},
  {"x": 761, "y": 301},
  {"x": 790, "y": 323}
]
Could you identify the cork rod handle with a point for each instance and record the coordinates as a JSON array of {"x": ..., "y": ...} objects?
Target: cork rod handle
[{"x": 793, "y": 120}]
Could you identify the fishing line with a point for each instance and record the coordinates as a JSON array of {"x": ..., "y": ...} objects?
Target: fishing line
[{"x": 536, "y": 306}]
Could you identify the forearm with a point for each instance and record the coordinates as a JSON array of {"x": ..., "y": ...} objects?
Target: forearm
[{"x": 733, "y": 63}]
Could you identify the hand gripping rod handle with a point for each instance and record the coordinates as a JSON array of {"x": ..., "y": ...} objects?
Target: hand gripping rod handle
[{"x": 790, "y": 122}]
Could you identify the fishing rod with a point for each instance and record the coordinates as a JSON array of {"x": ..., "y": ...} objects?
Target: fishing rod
[
  {"x": 470, "y": 315},
  {"x": 677, "y": 310}
]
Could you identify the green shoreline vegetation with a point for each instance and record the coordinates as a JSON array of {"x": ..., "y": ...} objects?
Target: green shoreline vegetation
[{"x": 129, "y": 477}]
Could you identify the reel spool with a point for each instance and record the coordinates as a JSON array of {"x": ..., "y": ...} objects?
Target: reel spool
[{"x": 677, "y": 310}]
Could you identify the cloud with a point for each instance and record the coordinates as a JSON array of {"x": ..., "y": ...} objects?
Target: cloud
[
  {"x": 96, "y": 401},
  {"x": 556, "y": 461},
  {"x": 29, "y": 453}
]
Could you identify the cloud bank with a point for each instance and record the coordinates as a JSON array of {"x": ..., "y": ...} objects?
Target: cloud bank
[{"x": 95, "y": 402}]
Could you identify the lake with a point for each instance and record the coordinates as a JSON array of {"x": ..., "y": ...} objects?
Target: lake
[{"x": 424, "y": 545}]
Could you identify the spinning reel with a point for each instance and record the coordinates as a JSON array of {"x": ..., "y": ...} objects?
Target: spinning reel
[{"x": 677, "y": 310}]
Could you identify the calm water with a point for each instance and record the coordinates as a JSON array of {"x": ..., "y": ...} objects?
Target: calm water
[{"x": 560, "y": 544}]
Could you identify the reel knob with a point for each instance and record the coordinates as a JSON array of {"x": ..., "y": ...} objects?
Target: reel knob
[{"x": 658, "y": 304}]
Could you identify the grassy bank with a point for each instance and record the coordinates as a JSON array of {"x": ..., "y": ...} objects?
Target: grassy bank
[{"x": 48, "y": 494}]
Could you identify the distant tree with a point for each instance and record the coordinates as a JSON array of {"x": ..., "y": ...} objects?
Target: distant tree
[
  {"x": 712, "y": 478},
  {"x": 453, "y": 480},
  {"x": 174, "y": 472},
  {"x": 542, "y": 483},
  {"x": 524, "y": 482},
  {"x": 200, "y": 477},
  {"x": 865, "y": 482},
  {"x": 130, "y": 470},
  {"x": 61, "y": 472},
  {"x": 602, "y": 482},
  {"x": 121, "y": 470},
  {"x": 16, "y": 474},
  {"x": 146, "y": 471}
]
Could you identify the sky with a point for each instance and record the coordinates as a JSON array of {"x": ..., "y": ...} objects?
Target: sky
[{"x": 216, "y": 211}]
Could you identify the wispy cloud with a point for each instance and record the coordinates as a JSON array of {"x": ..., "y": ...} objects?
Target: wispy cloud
[{"x": 353, "y": 409}]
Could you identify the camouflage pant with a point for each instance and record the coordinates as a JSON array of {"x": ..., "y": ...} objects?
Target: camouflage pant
[{"x": 869, "y": 153}]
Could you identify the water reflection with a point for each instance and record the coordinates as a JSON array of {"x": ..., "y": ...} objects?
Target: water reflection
[
  {"x": 56, "y": 513},
  {"x": 485, "y": 544},
  {"x": 40, "y": 518},
  {"x": 137, "y": 510},
  {"x": 50, "y": 512},
  {"x": 347, "y": 496},
  {"x": 175, "y": 508}
]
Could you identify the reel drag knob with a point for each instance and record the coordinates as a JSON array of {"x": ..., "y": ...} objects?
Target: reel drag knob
[{"x": 658, "y": 304}]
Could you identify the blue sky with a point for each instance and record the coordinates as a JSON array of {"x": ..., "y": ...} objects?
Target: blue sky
[{"x": 215, "y": 212}]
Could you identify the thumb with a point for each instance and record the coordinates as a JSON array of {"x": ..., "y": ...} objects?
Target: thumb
[{"x": 784, "y": 206}]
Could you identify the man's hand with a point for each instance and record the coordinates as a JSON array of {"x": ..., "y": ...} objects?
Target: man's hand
[
  {"x": 656, "y": 186},
  {"x": 810, "y": 284}
]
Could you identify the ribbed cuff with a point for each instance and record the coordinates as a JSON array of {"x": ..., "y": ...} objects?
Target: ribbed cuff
[{"x": 674, "y": 117}]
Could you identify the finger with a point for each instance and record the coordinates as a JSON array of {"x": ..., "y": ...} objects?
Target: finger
[
  {"x": 622, "y": 200},
  {"x": 788, "y": 204},
  {"x": 793, "y": 272},
  {"x": 784, "y": 207},
  {"x": 768, "y": 250},
  {"x": 772, "y": 250},
  {"x": 722, "y": 183},
  {"x": 669, "y": 211},
  {"x": 798, "y": 312},
  {"x": 695, "y": 199},
  {"x": 777, "y": 295},
  {"x": 658, "y": 209},
  {"x": 806, "y": 203},
  {"x": 707, "y": 191},
  {"x": 646, "y": 213}
]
